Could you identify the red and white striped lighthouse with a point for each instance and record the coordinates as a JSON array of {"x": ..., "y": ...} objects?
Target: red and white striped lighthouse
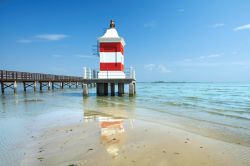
[{"x": 111, "y": 51}]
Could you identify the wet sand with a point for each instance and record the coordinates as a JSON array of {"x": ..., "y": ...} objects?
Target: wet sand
[{"x": 104, "y": 140}]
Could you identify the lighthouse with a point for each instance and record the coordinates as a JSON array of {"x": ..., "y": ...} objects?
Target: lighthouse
[
  {"x": 111, "y": 74},
  {"x": 111, "y": 52}
]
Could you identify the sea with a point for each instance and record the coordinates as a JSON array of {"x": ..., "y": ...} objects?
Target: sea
[{"x": 216, "y": 110}]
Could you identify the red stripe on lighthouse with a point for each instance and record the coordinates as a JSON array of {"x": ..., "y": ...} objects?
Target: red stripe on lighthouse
[
  {"x": 111, "y": 66},
  {"x": 111, "y": 47}
]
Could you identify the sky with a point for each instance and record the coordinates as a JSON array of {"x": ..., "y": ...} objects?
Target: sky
[{"x": 166, "y": 40}]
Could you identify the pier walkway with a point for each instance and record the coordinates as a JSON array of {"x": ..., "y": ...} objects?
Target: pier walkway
[{"x": 10, "y": 79}]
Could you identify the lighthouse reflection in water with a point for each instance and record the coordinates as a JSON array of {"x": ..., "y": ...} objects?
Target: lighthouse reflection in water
[{"x": 113, "y": 123}]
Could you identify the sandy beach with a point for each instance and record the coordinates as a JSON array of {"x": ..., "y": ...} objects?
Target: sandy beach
[
  {"x": 63, "y": 128},
  {"x": 101, "y": 139}
]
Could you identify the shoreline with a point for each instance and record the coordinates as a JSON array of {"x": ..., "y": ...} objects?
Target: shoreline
[
  {"x": 62, "y": 128},
  {"x": 105, "y": 140}
]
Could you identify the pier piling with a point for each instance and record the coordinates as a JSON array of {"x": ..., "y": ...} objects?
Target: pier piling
[
  {"x": 53, "y": 85},
  {"x": 100, "y": 89},
  {"x": 34, "y": 86},
  {"x": 49, "y": 85},
  {"x": 85, "y": 90},
  {"x": 112, "y": 89},
  {"x": 131, "y": 89},
  {"x": 2, "y": 87},
  {"x": 27, "y": 84},
  {"x": 106, "y": 89},
  {"x": 24, "y": 86},
  {"x": 120, "y": 89},
  {"x": 41, "y": 86},
  {"x": 15, "y": 86}
]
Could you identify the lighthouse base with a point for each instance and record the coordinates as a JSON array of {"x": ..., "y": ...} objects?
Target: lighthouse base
[{"x": 111, "y": 74}]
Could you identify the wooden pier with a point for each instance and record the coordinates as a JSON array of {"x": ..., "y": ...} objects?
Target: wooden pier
[{"x": 10, "y": 79}]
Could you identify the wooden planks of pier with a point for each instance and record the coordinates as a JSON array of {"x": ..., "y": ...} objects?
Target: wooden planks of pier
[{"x": 11, "y": 79}]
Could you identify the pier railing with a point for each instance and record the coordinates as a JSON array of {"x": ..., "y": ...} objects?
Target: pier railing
[
  {"x": 26, "y": 76},
  {"x": 89, "y": 73}
]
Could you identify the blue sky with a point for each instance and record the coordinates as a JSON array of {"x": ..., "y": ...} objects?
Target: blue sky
[{"x": 171, "y": 40}]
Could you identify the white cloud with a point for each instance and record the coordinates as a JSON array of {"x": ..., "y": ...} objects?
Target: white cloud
[
  {"x": 51, "y": 37},
  {"x": 243, "y": 64},
  {"x": 210, "y": 56},
  {"x": 157, "y": 68},
  {"x": 212, "y": 60},
  {"x": 85, "y": 56},
  {"x": 24, "y": 41},
  {"x": 163, "y": 69},
  {"x": 214, "y": 55},
  {"x": 218, "y": 25},
  {"x": 243, "y": 27},
  {"x": 150, "y": 24},
  {"x": 150, "y": 67},
  {"x": 48, "y": 37}
]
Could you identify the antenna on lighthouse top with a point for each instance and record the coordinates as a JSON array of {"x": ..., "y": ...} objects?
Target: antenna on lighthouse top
[{"x": 112, "y": 24}]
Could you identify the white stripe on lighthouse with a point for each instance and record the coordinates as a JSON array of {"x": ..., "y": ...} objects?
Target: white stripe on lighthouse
[{"x": 111, "y": 57}]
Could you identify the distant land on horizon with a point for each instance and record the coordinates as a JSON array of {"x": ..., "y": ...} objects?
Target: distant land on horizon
[{"x": 187, "y": 82}]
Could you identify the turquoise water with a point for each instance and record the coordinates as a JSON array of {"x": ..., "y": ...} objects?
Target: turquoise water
[
  {"x": 226, "y": 104},
  {"x": 217, "y": 110}
]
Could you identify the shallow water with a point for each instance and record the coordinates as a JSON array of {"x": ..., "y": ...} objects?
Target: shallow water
[{"x": 217, "y": 110}]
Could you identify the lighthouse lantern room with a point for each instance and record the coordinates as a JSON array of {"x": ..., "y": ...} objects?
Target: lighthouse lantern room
[{"x": 111, "y": 52}]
